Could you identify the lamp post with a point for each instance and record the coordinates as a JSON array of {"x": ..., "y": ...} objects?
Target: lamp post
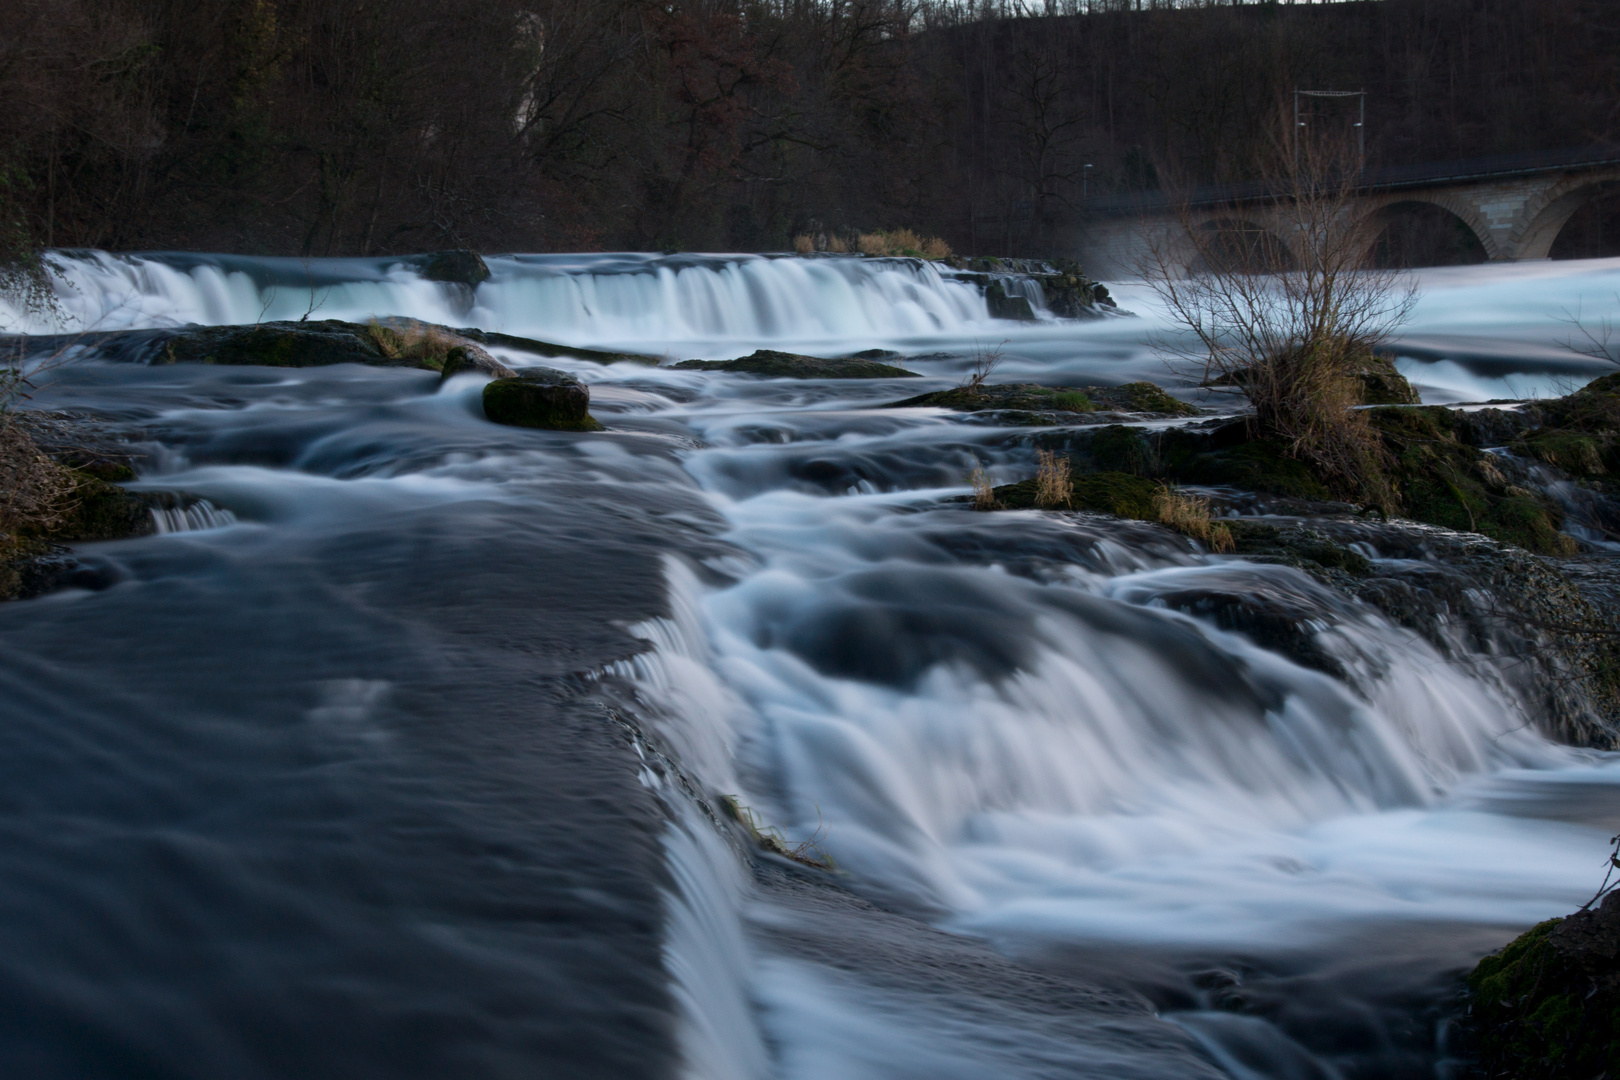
[{"x": 1360, "y": 125}]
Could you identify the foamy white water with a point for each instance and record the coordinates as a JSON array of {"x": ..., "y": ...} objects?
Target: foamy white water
[{"x": 994, "y": 723}]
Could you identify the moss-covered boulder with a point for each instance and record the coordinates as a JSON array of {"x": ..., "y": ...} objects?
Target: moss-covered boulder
[
  {"x": 1003, "y": 305},
  {"x": 541, "y": 398},
  {"x": 282, "y": 344},
  {"x": 782, "y": 365},
  {"x": 1381, "y": 384},
  {"x": 1547, "y": 1007},
  {"x": 1049, "y": 404},
  {"x": 1443, "y": 481},
  {"x": 1117, "y": 493}
]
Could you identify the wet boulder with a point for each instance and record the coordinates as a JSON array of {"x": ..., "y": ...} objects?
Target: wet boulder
[
  {"x": 1548, "y": 1005},
  {"x": 781, "y": 365},
  {"x": 459, "y": 267},
  {"x": 470, "y": 359},
  {"x": 280, "y": 344},
  {"x": 1003, "y": 305},
  {"x": 541, "y": 398}
]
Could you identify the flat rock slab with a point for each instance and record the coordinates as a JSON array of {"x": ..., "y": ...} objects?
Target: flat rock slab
[
  {"x": 781, "y": 365},
  {"x": 1137, "y": 397}
]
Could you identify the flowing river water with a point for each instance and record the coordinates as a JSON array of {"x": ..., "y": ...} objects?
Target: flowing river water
[{"x": 400, "y": 754}]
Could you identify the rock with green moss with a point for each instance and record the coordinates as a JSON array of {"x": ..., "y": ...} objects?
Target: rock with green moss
[
  {"x": 281, "y": 344},
  {"x": 782, "y": 365},
  {"x": 1117, "y": 493},
  {"x": 1049, "y": 404},
  {"x": 1003, "y": 305},
  {"x": 1547, "y": 1007},
  {"x": 541, "y": 398}
]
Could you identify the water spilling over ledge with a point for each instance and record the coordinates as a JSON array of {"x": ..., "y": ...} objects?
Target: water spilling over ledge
[{"x": 410, "y": 744}]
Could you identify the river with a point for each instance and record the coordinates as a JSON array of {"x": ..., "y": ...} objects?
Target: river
[{"x": 401, "y": 754}]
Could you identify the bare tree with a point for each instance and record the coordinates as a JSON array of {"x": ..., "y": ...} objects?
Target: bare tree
[{"x": 1284, "y": 305}]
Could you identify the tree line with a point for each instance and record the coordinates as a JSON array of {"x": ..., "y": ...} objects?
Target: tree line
[{"x": 361, "y": 127}]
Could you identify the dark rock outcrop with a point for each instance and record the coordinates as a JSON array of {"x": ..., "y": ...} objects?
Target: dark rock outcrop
[
  {"x": 541, "y": 398},
  {"x": 1547, "y": 1007},
  {"x": 1028, "y": 403},
  {"x": 781, "y": 365},
  {"x": 1003, "y": 305},
  {"x": 470, "y": 359},
  {"x": 282, "y": 344},
  {"x": 460, "y": 267}
]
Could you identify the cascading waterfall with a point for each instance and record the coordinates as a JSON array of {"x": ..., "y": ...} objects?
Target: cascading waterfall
[
  {"x": 614, "y": 299},
  {"x": 1006, "y": 730}
]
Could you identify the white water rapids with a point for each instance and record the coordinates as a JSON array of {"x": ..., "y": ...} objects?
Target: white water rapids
[{"x": 995, "y": 724}]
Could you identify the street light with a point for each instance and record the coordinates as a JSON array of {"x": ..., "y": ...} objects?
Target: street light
[{"x": 1360, "y": 125}]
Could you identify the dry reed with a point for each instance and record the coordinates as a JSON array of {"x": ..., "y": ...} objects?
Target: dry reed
[{"x": 1052, "y": 485}]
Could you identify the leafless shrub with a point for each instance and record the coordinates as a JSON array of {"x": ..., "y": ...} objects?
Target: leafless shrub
[
  {"x": 1053, "y": 487},
  {"x": 985, "y": 362},
  {"x": 1592, "y": 337},
  {"x": 1285, "y": 307}
]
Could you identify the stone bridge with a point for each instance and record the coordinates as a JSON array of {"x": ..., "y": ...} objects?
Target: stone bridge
[{"x": 1514, "y": 205}]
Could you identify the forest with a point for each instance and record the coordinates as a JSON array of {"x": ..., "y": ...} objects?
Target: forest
[{"x": 366, "y": 127}]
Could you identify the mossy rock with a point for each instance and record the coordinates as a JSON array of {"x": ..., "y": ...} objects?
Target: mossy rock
[
  {"x": 1443, "y": 481},
  {"x": 1117, "y": 493},
  {"x": 1255, "y": 465},
  {"x": 1117, "y": 448},
  {"x": 541, "y": 398},
  {"x": 1003, "y": 305},
  {"x": 281, "y": 344},
  {"x": 781, "y": 365},
  {"x": 1295, "y": 545},
  {"x": 1547, "y": 1007},
  {"x": 1148, "y": 398},
  {"x": 1137, "y": 397},
  {"x": 1381, "y": 384}
]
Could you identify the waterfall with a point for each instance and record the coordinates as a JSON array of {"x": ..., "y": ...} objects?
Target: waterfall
[{"x": 628, "y": 301}]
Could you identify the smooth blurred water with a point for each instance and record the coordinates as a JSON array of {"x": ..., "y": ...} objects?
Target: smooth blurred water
[{"x": 362, "y": 684}]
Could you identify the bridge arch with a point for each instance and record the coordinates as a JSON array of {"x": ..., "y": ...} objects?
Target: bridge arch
[
  {"x": 1379, "y": 213},
  {"x": 1411, "y": 230},
  {"x": 1546, "y": 214}
]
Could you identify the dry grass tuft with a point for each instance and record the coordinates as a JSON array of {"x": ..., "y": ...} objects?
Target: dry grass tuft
[
  {"x": 1189, "y": 515},
  {"x": 804, "y": 244},
  {"x": 903, "y": 242},
  {"x": 984, "y": 495},
  {"x": 838, "y": 245},
  {"x": 1052, "y": 484}
]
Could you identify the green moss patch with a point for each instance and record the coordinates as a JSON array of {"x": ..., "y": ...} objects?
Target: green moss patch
[
  {"x": 1548, "y": 1005},
  {"x": 1046, "y": 401}
]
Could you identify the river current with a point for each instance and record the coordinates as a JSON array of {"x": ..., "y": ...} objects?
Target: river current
[{"x": 401, "y": 753}]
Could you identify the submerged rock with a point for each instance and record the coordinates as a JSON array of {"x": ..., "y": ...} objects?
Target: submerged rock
[
  {"x": 781, "y": 365},
  {"x": 541, "y": 398}
]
